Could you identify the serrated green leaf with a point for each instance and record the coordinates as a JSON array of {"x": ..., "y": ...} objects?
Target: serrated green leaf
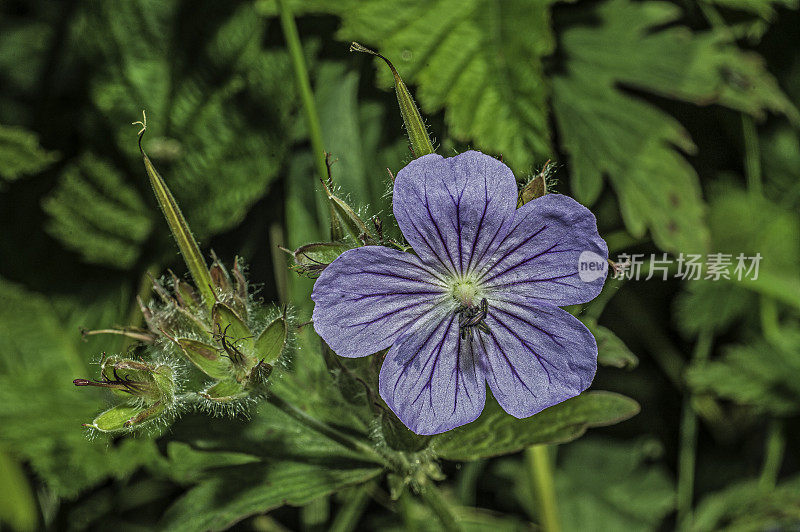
[
  {"x": 21, "y": 154},
  {"x": 747, "y": 506},
  {"x": 187, "y": 464},
  {"x": 201, "y": 101},
  {"x": 96, "y": 212},
  {"x": 759, "y": 374},
  {"x": 229, "y": 497},
  {"x": 478, "y": 60},
  {"x": 607, "y": 132},
  {"x": 496, "y": 433},
  {"x": 41, "y": 354}
]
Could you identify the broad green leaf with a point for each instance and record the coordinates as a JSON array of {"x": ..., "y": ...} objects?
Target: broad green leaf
[
  {"x": 95, "y": 211},
  {"x": 336, "y": 97},
  {"x": 496, "y": 433},
  {"x": 600, "y": 485},
  {"x": 611, "y": 351},
  {"x": 188, "y": 465},
  {"x": 606, "y": 485},
  {"x": 239, "y": 492},
  {"x": 747, "y": 224},
  {"x": 608, "y": 132}
]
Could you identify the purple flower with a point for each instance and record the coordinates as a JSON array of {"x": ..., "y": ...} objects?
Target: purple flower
[{"x": 477, "y": 304}]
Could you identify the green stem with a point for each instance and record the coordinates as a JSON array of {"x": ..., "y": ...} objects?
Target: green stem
[
  {"x": 752, "y": 158},
  {"x": 304, "y": 87},
  {"x": 440, "y": 507},
  {"x": 349, "y": 442},
  {"x": 468, "y": 480},
  {"x": 687, "y": 453},
  {"x": 351, "y": 512},
  {"x": 776, "y": 443},
  {"x": 540, "y": 469}
]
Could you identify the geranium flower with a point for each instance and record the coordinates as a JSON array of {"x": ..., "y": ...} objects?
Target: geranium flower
[{"x": 477, "y": 303}]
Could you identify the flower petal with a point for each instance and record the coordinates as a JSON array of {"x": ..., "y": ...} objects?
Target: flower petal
[
  {"x": 431, "y": 379},
  {"x": 540, "y": 256},
  {"x": 454, "y": 211},
  {"x": 537, "y": 356},
  {"x": 368, "y": 296}
]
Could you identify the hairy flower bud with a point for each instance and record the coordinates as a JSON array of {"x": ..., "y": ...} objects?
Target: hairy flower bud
[
  {"x": 538, "y": 185},
  {"x": 149, "y": 387}
]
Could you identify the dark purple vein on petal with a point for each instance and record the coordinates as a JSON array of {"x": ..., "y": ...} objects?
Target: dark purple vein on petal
[
  {"x": 512, "y": 250},
  {"x": 438, "y": 229},
  {"x": 508, "y": 362},
  {"x": 541, "y": 360},
  {"x": 407, "y": 363}
]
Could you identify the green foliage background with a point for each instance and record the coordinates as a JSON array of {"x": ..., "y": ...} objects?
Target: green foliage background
[{"x": 676, "y": 122}]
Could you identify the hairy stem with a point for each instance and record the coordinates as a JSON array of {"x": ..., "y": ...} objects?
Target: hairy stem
[
  {"x": 349, "y": 442},
  {"x": 540, "y": 469}
]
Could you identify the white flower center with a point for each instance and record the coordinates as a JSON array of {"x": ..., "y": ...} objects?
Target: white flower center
[{"x": 466, "y": 292}]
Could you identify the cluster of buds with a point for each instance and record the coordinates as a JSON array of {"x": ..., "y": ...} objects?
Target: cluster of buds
[{"x": 232, "y": 341}]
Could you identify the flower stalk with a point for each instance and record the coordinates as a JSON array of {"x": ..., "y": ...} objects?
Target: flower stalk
[
  {"x": 540, "y": 468},
  {"x": 304, "y": 88}
]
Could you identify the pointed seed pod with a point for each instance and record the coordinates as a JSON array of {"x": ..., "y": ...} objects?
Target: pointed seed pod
[{"x": 417, "y": 132}]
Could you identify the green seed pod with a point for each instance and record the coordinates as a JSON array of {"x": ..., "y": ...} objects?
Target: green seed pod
[{"x": 417, "y": 132}]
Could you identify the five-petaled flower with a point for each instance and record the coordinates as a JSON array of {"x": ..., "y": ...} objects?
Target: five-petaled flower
[{"x": 479, "y": 301}]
